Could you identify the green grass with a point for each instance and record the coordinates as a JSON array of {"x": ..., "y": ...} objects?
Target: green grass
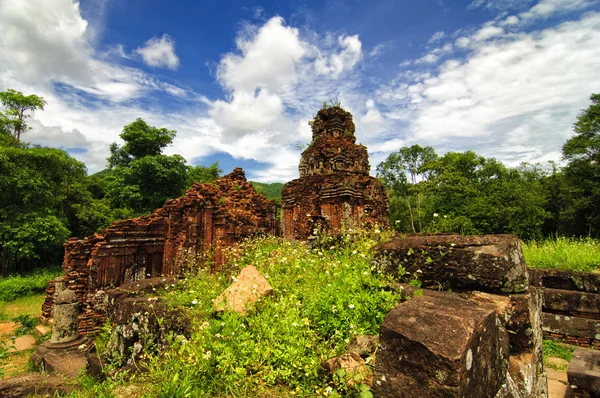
[
  {"x": 30, "y": 305},
  {"x": 15, "y": 286},
  {"x": 553, "y": 349},
  {"x": 321, "y": 299},
  {"x": 563, "y": 253}
]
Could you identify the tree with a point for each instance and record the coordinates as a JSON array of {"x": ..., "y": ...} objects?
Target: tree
[
  {"x": 582, "y": 172},
  {"x": 13, "y": 119},
  {"x": 141, "y": 177},
  {"x": 203, "y": 174},
  {"x": 38, "y": 186},
  {"x": 140, "y": 140},
  {"x": 404, "y": 173}
]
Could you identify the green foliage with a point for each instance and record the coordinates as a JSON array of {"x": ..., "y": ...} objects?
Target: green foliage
[
  {"x": 322, "y": 298},
  {"x": 271, "y": 191},
  {"x": 13, "y": 119},
  {"x": 553, "y": 349},
  {"x": 203, "y": 174},
  {"x": 142, "y": 178},
  {"x": 563, "y": 253},
  {"x": 39, "y": 190},
  {"x": 26, "y": 323},
  {"x": 463, "y": 193},
  {"x": 16, "y": 286},
  {"x": 141, "y": 140},
  {"x": 4, "y": 347},
  {"x": 582, "y": 174}
]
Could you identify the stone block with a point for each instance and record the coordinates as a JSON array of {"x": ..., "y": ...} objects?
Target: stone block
[
  {"x": 584, "y": 372},
  {"x": 42, "y": 330},
  {"x": 572, "y": 302},
  {"x": 249, "y": 287},
  {"x": 489, "y": 263},
  {"x": 441, "y": 345},
  {"x": 565, "y": 280},
  {"x": 571, "y": 325}
]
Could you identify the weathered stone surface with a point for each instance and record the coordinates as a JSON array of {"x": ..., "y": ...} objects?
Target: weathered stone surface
[
  {"x": 248, "y": 288},
  {"x": 193, "y": 228},
  {"x": 571, "y": 302},
  {"x": 490, "y": 263},
  {"x": 364, "y": 346},
  {"x": 501, "y": 304},
  {"x": 334, "y": 188},
  {"x": 565, "y": 280},
  {"x": 35, "y": 384},
  {"x": 584, "y": 372},
  {"x": 571, "y": 325},
  {"x": 135, "y": 313},
  {"x": 356, "y": 370},
  {"x": 71, "y": 365},
  {"x": 66, "y": 318},
  {"x": 441, "y": 345}
]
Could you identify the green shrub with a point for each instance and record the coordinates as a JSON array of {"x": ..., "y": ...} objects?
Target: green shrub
[{"x": 16, "y": 286}]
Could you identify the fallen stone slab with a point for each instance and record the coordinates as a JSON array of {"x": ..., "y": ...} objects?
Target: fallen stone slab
[
  {"x": 441, "y": 345},
  {"x": 23, "y": 343},
  {"x": 571, "y": 325},
  {"x": 584, "y": 372},
  {"x": 35, "y": 384},
  {"x": 490, "y": 263},
  {"x": 248, "y": 288}
]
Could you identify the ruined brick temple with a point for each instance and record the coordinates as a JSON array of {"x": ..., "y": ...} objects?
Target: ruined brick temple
[
  {"x": 334, "y": 187},
  {"x": 199, "y": 225}
]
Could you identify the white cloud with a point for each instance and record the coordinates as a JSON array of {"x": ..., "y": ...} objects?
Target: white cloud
[
  {"x": 48, "y": 30},
  {"x": 247, "y": 112},
  {"x": 547, "y": 8},
  {"x": 501, "y": 5},
  {"x": 463, "y": 42},
  {"x": 487, "y": 32},
  {"x": 428, "y": 59},
  {"x": 159, "y": 53},
  {"x": 346, "y": 59},
  {"x": 515, "y": 96},
  {"x": 437, "y": 36},
  {"x": 268, "y": 58}
]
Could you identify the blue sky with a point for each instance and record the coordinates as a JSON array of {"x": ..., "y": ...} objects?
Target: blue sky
[{"x": 239, "y": 80}]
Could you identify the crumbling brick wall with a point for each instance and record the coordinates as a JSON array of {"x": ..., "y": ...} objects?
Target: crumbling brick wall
[
  {"x": 334, "y": 188},
  {"x": 198, "y": 226}
]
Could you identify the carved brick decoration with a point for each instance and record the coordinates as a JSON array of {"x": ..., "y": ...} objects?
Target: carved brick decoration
[
  {"x": 199, "y": 225},
  {"x": 334, "y": 187}
]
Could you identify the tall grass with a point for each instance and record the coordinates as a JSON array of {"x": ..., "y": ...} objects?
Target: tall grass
[
  {"x": 563, "y": 253},
  {"x": 16, "y": 286}
]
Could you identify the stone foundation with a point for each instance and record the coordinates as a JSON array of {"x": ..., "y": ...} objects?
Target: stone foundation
[{"x": 571, "y": 305}]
